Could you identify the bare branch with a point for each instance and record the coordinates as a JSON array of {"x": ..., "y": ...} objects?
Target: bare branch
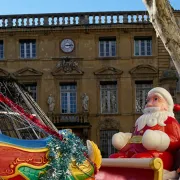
[{"x": 166, "y": 27}]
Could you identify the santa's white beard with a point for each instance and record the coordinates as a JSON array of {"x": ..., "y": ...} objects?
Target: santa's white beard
[{"x": 151, "y": 117}]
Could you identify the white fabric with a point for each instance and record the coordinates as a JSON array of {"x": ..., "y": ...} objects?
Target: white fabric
[
  {"x": 155, "y": 140},
  {"x": 119, "y": 140},
  {"x": 170, "y": 175}
]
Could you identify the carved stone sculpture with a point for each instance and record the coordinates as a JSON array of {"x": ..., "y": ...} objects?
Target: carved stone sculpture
[
  {"x": 85, "y": 102},
  {"x": 51, "y": 103}
]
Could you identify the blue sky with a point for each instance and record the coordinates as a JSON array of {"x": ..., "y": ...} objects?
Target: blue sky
[{"x": 58, "y": 6}]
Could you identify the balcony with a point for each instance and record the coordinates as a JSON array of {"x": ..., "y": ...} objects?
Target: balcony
[
  {"x": 73, "y": 19},
  {"x": 69, "y": 119}
]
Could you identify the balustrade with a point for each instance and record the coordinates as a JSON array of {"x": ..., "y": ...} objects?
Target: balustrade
[
  {"x": 68, "y": 118},
  {"x": 72, "y": 19}
]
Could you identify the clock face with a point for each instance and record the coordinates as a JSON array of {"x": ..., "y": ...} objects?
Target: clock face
[{"x": 67, "y": 45}]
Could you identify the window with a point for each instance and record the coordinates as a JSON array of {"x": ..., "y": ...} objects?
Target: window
[
  {"x": 1, "y": 49},
  {"x": 108, "y": 96},
  {"x": 27, "y": 49},
  {"x": 106, "y": 146},
  {"x": 142, "y": 89},
  {"x": 107, "y": 47},
  {"x": 32, "y": 89},
  {"x": 143, "y": 46},
  {"x": 68, "y": 98}
]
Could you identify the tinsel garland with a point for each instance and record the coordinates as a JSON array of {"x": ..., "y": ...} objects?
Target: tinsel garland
[{"x": 61, "y": 154}]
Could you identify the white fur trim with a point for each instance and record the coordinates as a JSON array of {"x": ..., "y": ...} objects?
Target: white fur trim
[
  {"x": 168, "y": 175},
  {"x": 155, "y": 140},
  {"x": 166, "y": 95},
  {"x": 119, "y": 140}
]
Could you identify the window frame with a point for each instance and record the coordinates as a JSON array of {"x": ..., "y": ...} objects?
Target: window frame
[
  {"x": 109, "y": 90},
  {"x": 146, "y": 82},
  {"x": 68, "y": 91},
  {"x": 25, "y": 43},
  {"x": 110, "y": 149},
  {"x": 140, "y": 39},
  {"x": 107, "y": 41}
]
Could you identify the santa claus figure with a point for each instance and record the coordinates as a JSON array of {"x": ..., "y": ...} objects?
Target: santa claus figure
[{"x": 156, "y": 134}]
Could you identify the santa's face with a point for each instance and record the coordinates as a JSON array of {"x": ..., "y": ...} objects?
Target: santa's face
[
  {"x": 156, "y": 100},
  {"x": 155, "y": 112}
]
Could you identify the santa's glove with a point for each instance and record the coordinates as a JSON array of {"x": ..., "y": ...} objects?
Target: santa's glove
[
  {"x": 119, "y": 140},
  {"x": 155, "y": 140}
]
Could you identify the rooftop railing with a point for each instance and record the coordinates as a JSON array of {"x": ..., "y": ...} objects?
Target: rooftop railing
[{"x": 73, "y": 19}]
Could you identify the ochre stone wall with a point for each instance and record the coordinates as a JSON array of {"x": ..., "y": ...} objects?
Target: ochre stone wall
[{"x": 86, "y": 54}]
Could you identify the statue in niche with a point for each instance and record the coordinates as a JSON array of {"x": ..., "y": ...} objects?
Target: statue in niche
[
  {"x": 51, "y": 103},
  {"x": 85, "y": 102}
]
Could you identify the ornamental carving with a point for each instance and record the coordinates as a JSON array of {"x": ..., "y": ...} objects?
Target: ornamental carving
[
  {"x": 68, "y": 65},
  {"x": 108, "y": 71},
  {"x": 109, "y": 123}
]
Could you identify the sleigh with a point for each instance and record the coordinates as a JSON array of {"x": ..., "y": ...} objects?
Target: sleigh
[
  {"x": 32, "y": 149},
  {"x": 131, "y": 169},
  {"x": 22, "y": 159},
  {"x": 29, "y": 160}
]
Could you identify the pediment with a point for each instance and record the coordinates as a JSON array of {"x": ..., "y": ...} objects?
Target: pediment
[
  {"x": 27, "y": 72},
  {"x": 143, "y": 69},
  {"x": 4, "y": 73},
  {"x": 108, "y": 71},
  {"x": 70, "y": 72}
]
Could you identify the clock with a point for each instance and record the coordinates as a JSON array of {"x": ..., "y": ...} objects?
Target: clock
[{"x": 67, "y": 45}]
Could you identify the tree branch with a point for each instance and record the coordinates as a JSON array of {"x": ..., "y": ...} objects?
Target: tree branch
[{"x": 166, "y": 27}]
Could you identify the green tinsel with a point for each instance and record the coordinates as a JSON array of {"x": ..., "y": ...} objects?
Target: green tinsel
[{"x": 61, "y": 154}]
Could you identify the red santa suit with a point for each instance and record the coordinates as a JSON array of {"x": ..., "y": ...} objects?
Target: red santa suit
[
  {"x": 135, "y": 148},
  {"x": 155, "y": 135}
]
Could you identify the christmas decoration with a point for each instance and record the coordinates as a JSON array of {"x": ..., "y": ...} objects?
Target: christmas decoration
[{"x": 156, "y": 134}]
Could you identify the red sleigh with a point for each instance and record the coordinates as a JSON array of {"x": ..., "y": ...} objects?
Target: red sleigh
[{"x": 131, "y": 169}]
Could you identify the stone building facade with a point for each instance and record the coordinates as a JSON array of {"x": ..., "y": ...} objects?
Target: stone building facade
[{"x": 89, "y": 72}]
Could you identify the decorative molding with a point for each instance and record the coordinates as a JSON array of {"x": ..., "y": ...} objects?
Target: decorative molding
[
  {"x": 27, "y": 71},
  {"x": 109, "y": 123},
  {"x": 4, "y": 73},
  {"x": 142, "y": 70},
  {"x": 108, "y": 71},
  {"x": 67, "y": 66}
]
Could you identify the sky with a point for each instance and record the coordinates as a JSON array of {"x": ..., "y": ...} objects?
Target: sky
[{"x": 60, "y": 6}]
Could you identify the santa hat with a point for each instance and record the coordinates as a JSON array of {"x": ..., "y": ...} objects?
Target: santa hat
[
  {"x": 176, "y": 107},
  {"x": 166, "y": 95}
]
